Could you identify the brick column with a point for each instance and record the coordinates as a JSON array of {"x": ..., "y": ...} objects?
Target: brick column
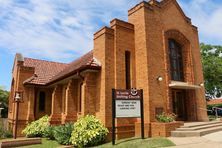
[
  {"x": 55, "y": 117},
  {"x": 71, "y": 96},
  {"x": 31, "y": 101},
  {"x": 89, "y": 94}
]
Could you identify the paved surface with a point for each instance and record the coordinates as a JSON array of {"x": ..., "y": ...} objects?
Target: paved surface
[{"x": 213, "y": 140}]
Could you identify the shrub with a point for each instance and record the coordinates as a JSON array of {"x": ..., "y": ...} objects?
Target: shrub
[
  {"x": 88, "y": 131},
  {"x": 37, "y": 128},
  {"x": 166, "y": 117},
  {"x": 63, "y": 133},
  {"x": 5, "y": 133},
  {"x": 49, "y": 132}
]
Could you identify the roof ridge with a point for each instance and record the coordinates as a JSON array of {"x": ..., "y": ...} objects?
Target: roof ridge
[
  {"x": 85, "y": 54},
  {"x": 46, "y": 60}
]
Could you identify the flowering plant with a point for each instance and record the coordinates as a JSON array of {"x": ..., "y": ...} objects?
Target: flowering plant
[{"x": 166, "y": 117}]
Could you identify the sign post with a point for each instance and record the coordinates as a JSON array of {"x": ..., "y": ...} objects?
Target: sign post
[{"x": 127, "y": 104}]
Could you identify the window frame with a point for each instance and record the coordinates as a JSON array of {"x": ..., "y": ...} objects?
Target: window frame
[{"x": 176, "y": 60}]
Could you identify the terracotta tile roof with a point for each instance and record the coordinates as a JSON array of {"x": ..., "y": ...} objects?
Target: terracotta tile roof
[
  {"x": 214, "y": 101},
  {"x": 44, "y": 70},
  {"x": 87, "y": 61},
  {"x": 49, "y": 72}
]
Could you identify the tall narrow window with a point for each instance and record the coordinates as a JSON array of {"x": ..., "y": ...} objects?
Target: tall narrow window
[
  {"x": 176, "y": 61},
  {"x": 42, "y": 101},
  {"x": 127, "y": 68},
  {"x": 80, "y": 98}
]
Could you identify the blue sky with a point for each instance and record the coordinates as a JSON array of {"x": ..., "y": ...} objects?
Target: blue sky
[{"x": 62, "y": 30}]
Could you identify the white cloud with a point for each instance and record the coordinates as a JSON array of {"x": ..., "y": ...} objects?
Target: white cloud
[
  {"x": 63, "y": 29},
  {"x": 55, "y": 29},
  {"x": 206, "y": 15}
]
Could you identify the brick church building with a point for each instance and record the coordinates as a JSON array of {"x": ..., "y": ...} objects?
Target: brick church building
[{"x": 156, "y": 50}]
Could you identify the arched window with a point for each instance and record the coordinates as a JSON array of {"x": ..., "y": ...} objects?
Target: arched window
[
  {"x": 176, "y": 60},
  {"x": 42, "y": 101}
]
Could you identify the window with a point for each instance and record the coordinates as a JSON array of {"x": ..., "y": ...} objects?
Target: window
[
  {"x": 42, "y": 101},
  {"x": 127, "y": 69},
  {"x": 80, "y": 98},
  {"x": 176, "y": 61}
]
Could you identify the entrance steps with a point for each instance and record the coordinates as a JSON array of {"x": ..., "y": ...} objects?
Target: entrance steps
[{"x": 197, "y": 129}]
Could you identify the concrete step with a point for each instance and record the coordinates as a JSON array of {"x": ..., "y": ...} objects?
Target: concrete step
[
  {"x": 196, "y": 133},
  {"x": 199, "y": 127},
  {"x": 198, "y": 124}
]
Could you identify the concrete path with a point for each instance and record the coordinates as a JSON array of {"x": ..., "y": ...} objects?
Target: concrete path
[{"x": 213, "y": 140}]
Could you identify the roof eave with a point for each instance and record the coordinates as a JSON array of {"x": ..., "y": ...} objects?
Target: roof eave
[{"x": 86, "y": 67}]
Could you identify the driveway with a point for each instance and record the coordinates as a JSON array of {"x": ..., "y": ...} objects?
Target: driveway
[{"x": 213, "y": 140}]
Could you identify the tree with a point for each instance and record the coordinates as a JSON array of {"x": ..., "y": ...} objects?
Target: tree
[
  {"x": 4, "y": 101},
  {"x": 212, "y": 69}
]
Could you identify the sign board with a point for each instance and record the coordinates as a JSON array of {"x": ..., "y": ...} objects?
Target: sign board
[
  {"x": 128, "y": 108},
  {"x": 127, "y": 94},
  {"x": 127, "y": 104}
]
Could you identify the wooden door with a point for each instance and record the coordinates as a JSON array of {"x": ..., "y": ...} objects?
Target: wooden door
[{"x": 179, "y": 107}]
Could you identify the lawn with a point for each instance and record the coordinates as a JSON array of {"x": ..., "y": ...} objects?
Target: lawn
[
  {"x": 45, "y": 144},
  {"x": 140, "y": 143},
  {"x": 124, "y": 143}
]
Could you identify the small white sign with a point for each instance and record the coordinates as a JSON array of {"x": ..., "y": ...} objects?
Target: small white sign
[{"x": 127, "y": 108}]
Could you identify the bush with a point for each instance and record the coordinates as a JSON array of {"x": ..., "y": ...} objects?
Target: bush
[
  {"x": 49, "y": 132},
  {"x": 88, "y": 131},
  {"x": 37, "y": 128},
  {"x": 63, "y": 133},
  {"x": 166, "y": 117},
  {"x": 5, "y": 133}
]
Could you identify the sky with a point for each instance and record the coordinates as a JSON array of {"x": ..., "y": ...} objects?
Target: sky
[{"x": 62, "y": 30}]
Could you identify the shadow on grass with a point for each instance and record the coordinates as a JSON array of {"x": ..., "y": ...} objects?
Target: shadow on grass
[
  {"x": 127, "y": 140},
  {"x": 137, "y": 142}
]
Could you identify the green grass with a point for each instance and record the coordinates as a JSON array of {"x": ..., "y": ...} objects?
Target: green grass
[
  {"x": 140, "y": 143},
  {"x": 45, "y": 144},
  {"x": 124, "y": 143}
]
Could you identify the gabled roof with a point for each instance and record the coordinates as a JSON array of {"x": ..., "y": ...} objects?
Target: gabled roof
[
  {"x": 44, "y": 70},
  {"x": 87, "y": 61},
  {"x": 47, "y": 72},
  {"x": 164, "y": 3}
]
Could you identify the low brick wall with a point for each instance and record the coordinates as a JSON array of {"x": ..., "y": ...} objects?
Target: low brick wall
[
  {"x": 19, "y": 142},
  {"x": 164, "y": 129},
  {"x": 122, "y": 131},
  {"x": 147, "y": 130}
]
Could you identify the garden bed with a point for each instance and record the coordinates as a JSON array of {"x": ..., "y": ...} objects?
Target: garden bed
[
  {"x": 159, "y": 129},
  {"x": 20, "y": 142}
]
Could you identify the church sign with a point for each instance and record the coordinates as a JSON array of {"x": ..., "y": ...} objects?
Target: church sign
[{"x": 127, "y": 104}]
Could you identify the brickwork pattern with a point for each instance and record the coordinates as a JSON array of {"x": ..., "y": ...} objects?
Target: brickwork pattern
[{"x": 145, "y": 35}]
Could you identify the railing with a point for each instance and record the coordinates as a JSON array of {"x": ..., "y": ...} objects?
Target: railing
[
  {"x": 216, "y": 110},
  {"x": 212, "y": 110},
  {"x": 205, "y": 109}
]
